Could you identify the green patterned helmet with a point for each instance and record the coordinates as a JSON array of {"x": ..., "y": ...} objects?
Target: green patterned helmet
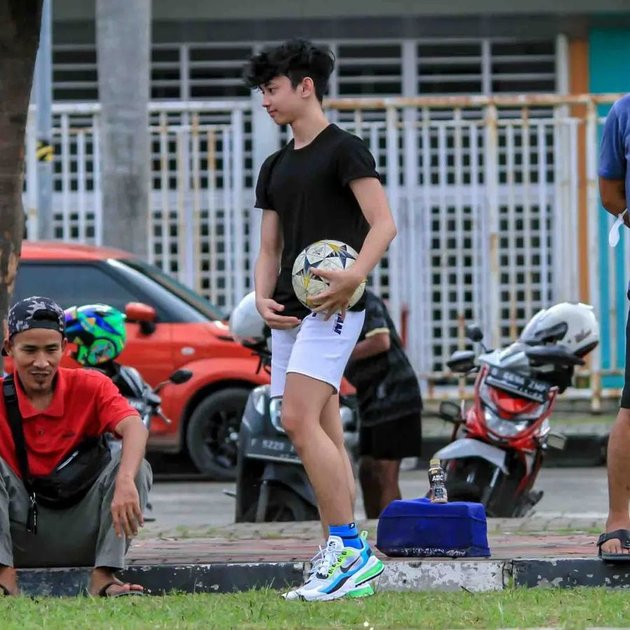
[{"x": 98, "y": 331}]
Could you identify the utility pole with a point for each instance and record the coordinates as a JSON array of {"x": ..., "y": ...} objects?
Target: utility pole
[
  {"x": 123, "y": 44},
  {"x": 43, "y": 100}
]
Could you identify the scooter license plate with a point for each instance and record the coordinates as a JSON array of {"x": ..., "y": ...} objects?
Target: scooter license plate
[
  {"x": 518, "y": 384},
  {"x": 269, "y": 448}
]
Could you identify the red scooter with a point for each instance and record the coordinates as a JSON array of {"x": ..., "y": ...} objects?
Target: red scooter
[{"x": 498, "y": 443}]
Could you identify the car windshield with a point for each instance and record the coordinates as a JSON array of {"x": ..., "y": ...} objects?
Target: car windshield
[{"x": 192, "y": 299}]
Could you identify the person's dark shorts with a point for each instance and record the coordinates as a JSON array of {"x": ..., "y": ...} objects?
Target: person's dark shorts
[
  {"x": 396, "y": 439},
  {"x": 625, "y": 395}
]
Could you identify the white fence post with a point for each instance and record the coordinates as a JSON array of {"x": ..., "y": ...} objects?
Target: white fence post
[{"x": 492, "y": 264}]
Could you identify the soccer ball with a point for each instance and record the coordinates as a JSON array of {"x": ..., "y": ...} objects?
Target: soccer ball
[{"x": 326, "y": 254}]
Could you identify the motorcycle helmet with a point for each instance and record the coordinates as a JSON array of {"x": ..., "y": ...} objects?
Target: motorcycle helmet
[
  {"x": 571, "y": 324},
  {"x": 246, "y": 325},
  {"x": 98, "y": 331}
]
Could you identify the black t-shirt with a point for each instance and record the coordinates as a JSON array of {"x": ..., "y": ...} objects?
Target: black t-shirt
[
  {"x": 387, "y": 387},
  {"x": 308, "y": 188}
]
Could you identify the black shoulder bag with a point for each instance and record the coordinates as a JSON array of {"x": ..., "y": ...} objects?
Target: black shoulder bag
[{"x": 70, "y": 481}]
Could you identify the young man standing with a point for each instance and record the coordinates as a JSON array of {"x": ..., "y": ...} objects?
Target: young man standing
[{"x": 321, "y": 185}]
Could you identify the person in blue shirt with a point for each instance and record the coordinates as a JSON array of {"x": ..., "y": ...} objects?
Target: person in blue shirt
[{"x": 614, "y": 188}]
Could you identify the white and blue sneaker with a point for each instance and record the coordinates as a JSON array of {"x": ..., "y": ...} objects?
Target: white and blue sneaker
[{"x": 340, "y": 572}]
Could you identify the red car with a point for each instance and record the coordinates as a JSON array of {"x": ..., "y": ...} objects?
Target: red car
[{"x": 168, "y": 327}]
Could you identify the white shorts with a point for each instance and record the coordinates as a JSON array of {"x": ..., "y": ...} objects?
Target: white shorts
[{"x": 316, "y": 348}]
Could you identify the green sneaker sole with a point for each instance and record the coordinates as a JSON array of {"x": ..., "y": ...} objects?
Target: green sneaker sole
[
  {"x": 372, "y": 573},
  {"x": 361, "y": 591}
]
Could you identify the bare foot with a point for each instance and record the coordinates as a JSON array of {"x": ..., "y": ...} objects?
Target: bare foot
[
  {"x": 614, "y": 545},
  {"x": 103, "y": 578},
  {"x": 8, "y": 581}
]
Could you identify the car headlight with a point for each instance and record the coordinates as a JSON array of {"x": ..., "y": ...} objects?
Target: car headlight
[
  {"x": 504, "y": 428},
  {"x": 275, "y": 414}
]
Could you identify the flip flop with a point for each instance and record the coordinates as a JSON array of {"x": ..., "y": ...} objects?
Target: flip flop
[
  {"x": 103, "y": 591},
  {"x": 623, "y": 535}
]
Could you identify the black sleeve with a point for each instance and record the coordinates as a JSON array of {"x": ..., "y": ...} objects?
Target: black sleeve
[
  {"x": 375, "y": 320},
  {"x": 354, "y": 160},
  {"x": 263, "y": 199}
]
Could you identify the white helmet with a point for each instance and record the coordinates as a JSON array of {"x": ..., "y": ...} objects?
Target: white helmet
[
  {"x": 246, "y": 324},
  {"x": 571, "y": 324}
]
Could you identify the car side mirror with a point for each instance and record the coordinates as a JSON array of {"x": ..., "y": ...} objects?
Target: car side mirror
[
  {"x": 473, "y": 332},
  {"x": 180, "y": 376},
  {"x": 143, "y": 314},
  {"x": 462, "y": 361}
]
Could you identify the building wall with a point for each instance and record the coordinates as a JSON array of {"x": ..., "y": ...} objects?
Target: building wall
[{"x": 218, "y": 9}]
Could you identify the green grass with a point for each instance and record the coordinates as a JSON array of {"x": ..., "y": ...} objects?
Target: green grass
[{"x": 522, "y": 608}]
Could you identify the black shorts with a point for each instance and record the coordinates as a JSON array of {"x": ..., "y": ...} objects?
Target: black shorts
[
  {"x": 625, "y": 395},
  {"x": 396, "y": 439}
]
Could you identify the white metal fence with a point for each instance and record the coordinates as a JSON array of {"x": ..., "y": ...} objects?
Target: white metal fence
[{"x": 484, "y": 190}]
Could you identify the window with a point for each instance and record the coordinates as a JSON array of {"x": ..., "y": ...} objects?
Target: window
[{"x": 71, "y": 284}]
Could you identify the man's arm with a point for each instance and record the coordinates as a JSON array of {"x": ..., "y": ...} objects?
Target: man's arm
[
  {"x": 371, "y": 198},
  {"x": 613, "y": 196},
  {"x": 374, "y": 344},
  {"x": 266, "y": 273},
  {"x": 126, "y": 512}
]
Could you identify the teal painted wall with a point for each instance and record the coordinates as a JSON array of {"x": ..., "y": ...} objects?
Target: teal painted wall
[{"x": 609, "y": 71}]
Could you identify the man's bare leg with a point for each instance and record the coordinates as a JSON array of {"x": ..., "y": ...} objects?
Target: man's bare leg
[
  {"x": 379, "y": 484},
  {"x": 302, "y": 405},
  {"x": 618, "y": 480},
  {"x": 8, "y": 579},
  {"x": 370, "y": 486},
  {"x": 331, "y": 423}
]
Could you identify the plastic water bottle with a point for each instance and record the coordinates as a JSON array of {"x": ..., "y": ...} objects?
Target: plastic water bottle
[{"x": 437, "y": 482}]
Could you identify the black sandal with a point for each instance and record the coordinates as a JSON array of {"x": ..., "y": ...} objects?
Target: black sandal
[
  {"x": 623, "y": 536},
  {"x": 103, "y": 591}
]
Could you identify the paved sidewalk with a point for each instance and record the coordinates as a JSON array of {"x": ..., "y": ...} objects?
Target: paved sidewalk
[
  {"x": 509, "y": 539},
  {"x": 532, "y": 552}
]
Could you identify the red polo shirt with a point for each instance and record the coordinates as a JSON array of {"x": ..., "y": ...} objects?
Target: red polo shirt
[{"x": 85, "y": 404}]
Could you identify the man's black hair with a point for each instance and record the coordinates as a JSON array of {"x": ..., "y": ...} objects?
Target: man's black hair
[{"x": 295, "y": 59}]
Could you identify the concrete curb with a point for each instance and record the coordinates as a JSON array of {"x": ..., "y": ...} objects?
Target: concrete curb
[{"x": 475, "y": 575}]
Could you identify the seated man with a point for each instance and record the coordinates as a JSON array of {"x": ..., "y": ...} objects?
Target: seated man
[
  {"x": 390, "y": 405},
  {"x": 59, "y": 411}
]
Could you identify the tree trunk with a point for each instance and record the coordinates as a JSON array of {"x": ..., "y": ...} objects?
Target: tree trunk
[
  {"x": 19, "y": 38},
  {"x": 123, "y": 41}
]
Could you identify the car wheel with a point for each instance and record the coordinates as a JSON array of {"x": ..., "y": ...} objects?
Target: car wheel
[{"x": 212, "y": 433}]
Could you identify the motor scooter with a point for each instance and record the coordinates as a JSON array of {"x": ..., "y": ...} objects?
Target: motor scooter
[{"x": 499, "y": 442}]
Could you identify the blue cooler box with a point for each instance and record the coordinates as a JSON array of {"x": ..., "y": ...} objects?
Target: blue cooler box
[{"x": 419, "y": 528}]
